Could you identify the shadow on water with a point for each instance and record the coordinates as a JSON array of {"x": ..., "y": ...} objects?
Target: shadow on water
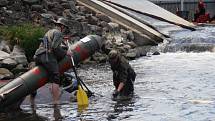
[
  {"x": 21, "y": 116},
  {"x": 122, "y": 105}
]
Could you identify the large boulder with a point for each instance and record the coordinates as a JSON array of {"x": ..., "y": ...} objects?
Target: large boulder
[
  {"x": 9, "y": 63},
  {"x": 4, "y": 55},
  {"x": 18, "y": 55}
]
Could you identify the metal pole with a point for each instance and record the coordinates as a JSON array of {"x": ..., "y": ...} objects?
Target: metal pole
[{"x": 182, "y": 5}]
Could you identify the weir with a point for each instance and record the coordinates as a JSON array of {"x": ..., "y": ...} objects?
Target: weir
[
  {"x": 150, "y": 9},
  {"x": 151, "y": 35}
]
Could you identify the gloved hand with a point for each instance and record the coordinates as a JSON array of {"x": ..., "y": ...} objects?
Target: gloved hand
[
  {"x": 69, "y": 53},
  {"x": 115, "y": 93}
]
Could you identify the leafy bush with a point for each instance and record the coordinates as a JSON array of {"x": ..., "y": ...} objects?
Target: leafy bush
[{"x": 25, "y": 35}]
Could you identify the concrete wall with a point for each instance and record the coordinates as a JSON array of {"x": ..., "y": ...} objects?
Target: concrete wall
[{"x": 191, "y": 6}]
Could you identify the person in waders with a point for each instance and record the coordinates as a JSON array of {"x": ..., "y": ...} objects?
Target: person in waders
[
  {"x": 123, "y": 74},
  {"x": 50, "y": 53}
]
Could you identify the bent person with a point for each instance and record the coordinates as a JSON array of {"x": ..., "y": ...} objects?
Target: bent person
[
  {"x": 49, "y": 53},
  {"x": 123, "y": 74}
]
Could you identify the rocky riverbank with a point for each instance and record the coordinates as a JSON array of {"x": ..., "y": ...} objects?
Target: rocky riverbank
[{"x": 82, "y": 22}]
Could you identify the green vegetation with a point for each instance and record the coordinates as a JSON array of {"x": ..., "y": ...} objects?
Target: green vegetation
[{"x": 25, "y": 35}]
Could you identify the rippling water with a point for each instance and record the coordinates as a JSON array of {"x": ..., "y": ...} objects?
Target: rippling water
[
  {"x": 169, "y": 87},
  {"x": 175, "y": 86}
]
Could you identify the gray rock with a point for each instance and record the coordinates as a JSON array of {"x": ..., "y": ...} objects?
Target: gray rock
[
  {"x": 127, "y": 47},
  {"x": 85, "y": 28},
  {"x": 5, "y": 74},
  {"x": 38, "y": 8},
  {"x": 4, "y": 46},
  {"x": 99, "y": 57},
  {"x": 91, "y": 19},
  {"x": 132, "y": 44},
  {"x": 75, "y": 27},
  {"x": 156, "y": 53},
  {"x": 19, "y": 69},
  {"x": 103, "y": 24},
  {"x": 143, "y": 50},
  {"x": 67, "y": 14},
  {"x": 103, "y": 17},
  {"x": 9, "y": 63},
  {"x": 130, "y": 35},
  {"x": 4, "y": 55},
  {"x": 72, "y": 6},
  {"x": 18, "y": 55},
  {"x": 113, "y": 26},
  {"x": 65, "y": 5},
  {"x": 31, "y": 2},
  {"x": 141, "y": 40},
  {"x": 132, "y": 54},
  {"x": 3, "y": 3}
]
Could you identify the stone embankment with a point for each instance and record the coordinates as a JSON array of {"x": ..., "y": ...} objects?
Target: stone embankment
[{"x": 82, "y": 22}]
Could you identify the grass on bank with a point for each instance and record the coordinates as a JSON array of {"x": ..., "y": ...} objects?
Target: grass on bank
[{"x": 25, "y": 35}]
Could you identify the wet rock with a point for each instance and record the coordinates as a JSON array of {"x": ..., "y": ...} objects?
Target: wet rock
[
  {"x": 156, "y": 53},
  {"x": 142, "y": 40},
  {"x": 5, "y": 74},
  {"x": 9, "y": 63},
  {"x": 132, "y": 54},
  {"x": 143, "y": 50}
]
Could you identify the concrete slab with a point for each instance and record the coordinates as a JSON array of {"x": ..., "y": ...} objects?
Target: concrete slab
[
  {"x": 125, "y": 20},
  {"x": 150, "y": 9}
]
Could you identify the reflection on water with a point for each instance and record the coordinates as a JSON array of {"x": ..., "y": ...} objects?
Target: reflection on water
[{"x": 169, "y": 87}]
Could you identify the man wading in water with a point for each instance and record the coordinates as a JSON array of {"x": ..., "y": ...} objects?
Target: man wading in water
[{"x": 123, "y": 74}]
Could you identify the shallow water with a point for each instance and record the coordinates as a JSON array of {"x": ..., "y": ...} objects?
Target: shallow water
[
  {"x": 175, "y": 86},
  {"x": 169, "y": 87}
]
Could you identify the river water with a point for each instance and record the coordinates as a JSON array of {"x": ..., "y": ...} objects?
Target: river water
[{"x": 177, "y": 85}]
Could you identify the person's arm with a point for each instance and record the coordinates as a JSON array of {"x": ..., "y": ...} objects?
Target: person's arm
[
  {"x": 121, "y": 85},
  {"x": 57, "y": 40}
]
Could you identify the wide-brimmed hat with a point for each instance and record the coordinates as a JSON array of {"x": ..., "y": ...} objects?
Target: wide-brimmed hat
[
  {"x": 62, "y": 21},
  {"x": 113, "y": 54}
]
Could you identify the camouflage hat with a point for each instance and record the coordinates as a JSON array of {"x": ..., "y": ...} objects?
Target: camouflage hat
[
  {"x": 62, "y": 21},
  {"x": 113, "y": 54}
]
